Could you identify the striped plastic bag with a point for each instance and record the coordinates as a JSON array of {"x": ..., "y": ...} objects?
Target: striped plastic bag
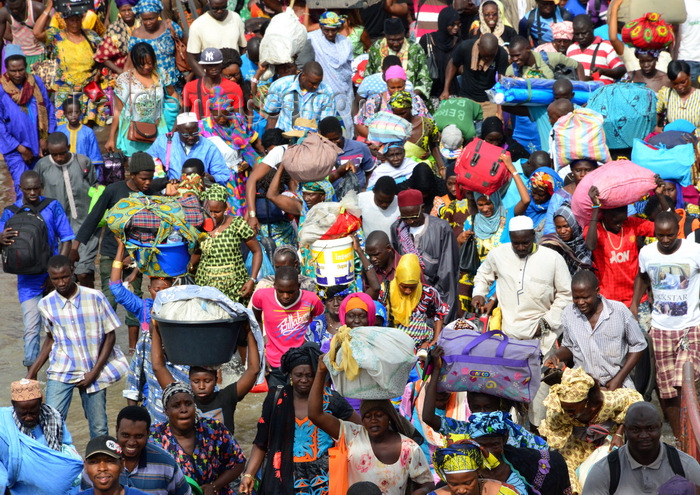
[
  {"x": 580, "y": 135},
  {"x": 385, "y": 127}
]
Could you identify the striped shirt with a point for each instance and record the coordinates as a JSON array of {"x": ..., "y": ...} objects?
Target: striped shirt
[
  {"x": 78, "y": 326},
  {"x": 603, "y": 350},
  {"x": 605, "y": 57}
]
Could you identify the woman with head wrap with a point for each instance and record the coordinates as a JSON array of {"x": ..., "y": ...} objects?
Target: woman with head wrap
[
  {"x": 493, "y": 133},
  {"x": 543, "y": 183},
  {"x": 562, "y": 38},
  {"x": 492, "y": 20},
  {"x": 220, "y": 262},
  {"x": 158, "y": 34},
  {"x": 113, "y": 51},
  {"x": 412, "y": 306},
  {"x": 295, "y": 449},
  {"x": 568, "y": 240},
  {"x": 581, "y": 417},
  {"x": 461, "y": 466},
  {"x": 579, "y": 169},
  {"x": 73, "y": 48},
  {"x": 395, "y": 77},
  {"x": 424, "y": 141},
  {"x": 380, "y": 449},
  {"x": 202, "y": 447},
  {"x": 232, "y": 135},
  {"x": 442, "y": 43}
]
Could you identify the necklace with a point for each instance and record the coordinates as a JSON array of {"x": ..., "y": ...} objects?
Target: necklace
[{"x": 622, "y": 238}]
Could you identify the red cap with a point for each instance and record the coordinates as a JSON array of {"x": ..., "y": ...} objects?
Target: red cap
[{"x": 410, "y": 197}]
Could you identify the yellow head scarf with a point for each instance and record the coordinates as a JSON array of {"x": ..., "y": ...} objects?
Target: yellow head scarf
[
  {"x": 574, "y": 387},
  {"x": 464, "y": 457},
  {"x": 407, "y": 272}
]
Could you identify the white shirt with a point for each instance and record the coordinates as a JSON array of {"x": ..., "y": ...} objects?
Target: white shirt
[
  {"x": 373, "y": 217},
  {"x": 675, "y": 282},
  {"x": 690, "y": 33},
  {"x": 231, "y": 156},
  {"x": 535, "y": 287},
  {"x": 399, "y": 174},
  {"x": 207, "y": 32},
  {"x": 274, "y": 157}
]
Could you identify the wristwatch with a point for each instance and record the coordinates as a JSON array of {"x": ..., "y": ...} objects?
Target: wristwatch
[{"x": 251, "y": 213}]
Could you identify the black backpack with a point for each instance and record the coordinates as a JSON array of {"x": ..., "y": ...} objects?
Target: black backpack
[
  {"x": 112, "y": 169},
  {"x": 30, "y": 252},
  {"x": 614, "y": 464}
]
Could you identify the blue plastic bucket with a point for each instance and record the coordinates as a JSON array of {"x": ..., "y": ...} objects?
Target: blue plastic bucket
[{"x": 171, "y": 261}]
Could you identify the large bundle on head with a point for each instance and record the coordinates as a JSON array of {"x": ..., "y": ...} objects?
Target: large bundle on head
[
  {"x": 370, "y": 362},
  {"x": 284, "y": 38},
  {"x": 479, "y": 168},
  {"x": 144, "y": 224},
  {"x": 579, "y": 135},
  {"x": 331, "y": 220},
  {"x": 385, "y": 128},
  {"x": 628, "y": 110},
  {"x": 619, "y": 183},
  {"x": 312, "y": 159},
  {"x": 670, "y": 154},
  {"x": 536, "y": 92},
  {"x": 650, "y": 32},
  {"x": 488, "y": 363}
]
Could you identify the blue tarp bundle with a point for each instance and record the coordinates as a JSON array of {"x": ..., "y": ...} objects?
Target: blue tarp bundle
[{"x": 531, "y": 92}]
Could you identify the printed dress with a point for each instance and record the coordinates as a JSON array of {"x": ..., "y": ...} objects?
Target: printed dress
[
  {"x": 139, "y": 104},
  {"x": 164, "y": 46}
]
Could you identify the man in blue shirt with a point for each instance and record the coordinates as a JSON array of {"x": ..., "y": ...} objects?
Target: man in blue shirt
[
  {"x": 355, "y": 156},
  {"x": 30, "y": 288},
  {"x": 172, "y": 149},
  {"x": 537, "y": 24}
]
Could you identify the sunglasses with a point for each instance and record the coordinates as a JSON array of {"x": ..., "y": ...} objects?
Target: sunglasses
[
  {"x": 189, "y": 134},
  {"x": 414, "y": 217}
]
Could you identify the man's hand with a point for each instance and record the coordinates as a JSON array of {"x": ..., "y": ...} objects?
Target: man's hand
[
  {"x": 613, "y": 384},
  {"x": 74, "y": 257},
  {"x": 7, "y": 236},
  {"x": 44, "y": 147},
  {"x": 253, "y": 223},
  {"x": 616, "y": 442},
  {"x": 479, "y": 302},
  {"x": 594, "y": 194},
  {"x": 445, "y": 95},
  {"x": 660, "y": 185},
  {"x": 87, "y": 380},
  {"x": 552, "y": 362},
  {"x": 26, "y": 153}
]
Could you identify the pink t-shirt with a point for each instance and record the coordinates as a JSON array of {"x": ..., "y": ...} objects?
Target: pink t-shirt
[{"x": 285, "y": 327}]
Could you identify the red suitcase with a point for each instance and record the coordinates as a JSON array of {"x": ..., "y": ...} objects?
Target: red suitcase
[{"x": 480, "y": 169}]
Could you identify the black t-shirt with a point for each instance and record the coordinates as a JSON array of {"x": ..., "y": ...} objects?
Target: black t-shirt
[
  {"x": 475, "y": 83},
  {"x": 222, "y": 406},
  {"x": 110, "y": 197},
  {"x": 373, "y": 18}
]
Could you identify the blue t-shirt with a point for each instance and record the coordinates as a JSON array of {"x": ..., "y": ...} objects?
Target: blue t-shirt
[
  {"x": 59, "y": 230},
  {"x": 358, "y": 153},
  {"x": 248, "y": 69}
]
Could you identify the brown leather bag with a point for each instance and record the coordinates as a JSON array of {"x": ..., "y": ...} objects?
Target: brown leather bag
[
  {"x": 181, "y": 62},
  {"x": 141, "y": 132}
]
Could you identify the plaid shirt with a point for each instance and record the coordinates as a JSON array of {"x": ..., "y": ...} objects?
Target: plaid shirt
[
  {"x": 78, "y": 326},
  {"x": 288, "y": 100}
]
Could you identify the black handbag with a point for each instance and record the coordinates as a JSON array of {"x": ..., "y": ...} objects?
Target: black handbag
[
  {"x": 469, "y": 255},
  {"x": 433, "y": 69}
]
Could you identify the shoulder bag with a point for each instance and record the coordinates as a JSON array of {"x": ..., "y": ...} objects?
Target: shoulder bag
[
  {"x": 469, "y": 255},
  {"x": 181, "y": 61},
  {"x": 140, "y": 132},
  {"x": 433, "y": 69}
]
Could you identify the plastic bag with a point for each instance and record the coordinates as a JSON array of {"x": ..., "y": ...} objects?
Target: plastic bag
[
  {"x": 370, "y": 362},
  {"x": 345, "y": 225},
  {"x": 670, "y": 163},
  {"x": 195, "y": 309},
  {"x": 285, "y": 37},
  {"x": 266, "y": 269},
  {"x": 322, "y": 217}
]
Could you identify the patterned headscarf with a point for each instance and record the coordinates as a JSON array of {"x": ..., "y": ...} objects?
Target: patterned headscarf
[
  {"x": 463, "y": 457},
  {"x": 563, "y": 30},
  {"x": 639, "y": 52},
  {"x": 215, "y": 192},
  {"x": 351, "y": 300},
  {"x": 331, "y": 20},
  {"x": 549, "y": 180},
  {"x": 176, "y": 388},
  {"x": 574, "y": 387},
  {"x": 147, "y": 6},
  {"x": 401, "y": 100},
  {"x": 121, "y": 3}
]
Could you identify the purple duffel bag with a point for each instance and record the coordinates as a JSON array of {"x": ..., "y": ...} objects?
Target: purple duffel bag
[{"x": 490, "y": 363}]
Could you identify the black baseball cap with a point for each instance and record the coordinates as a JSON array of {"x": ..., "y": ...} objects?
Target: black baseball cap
[{"x": 103, "y": 444}]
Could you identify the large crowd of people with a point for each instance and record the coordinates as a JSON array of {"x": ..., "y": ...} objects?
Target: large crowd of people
[{"x": 232, "y": 108}]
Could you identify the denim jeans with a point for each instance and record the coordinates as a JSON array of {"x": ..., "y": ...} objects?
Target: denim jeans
[
  {"x": 59, "y": 395},
  {"x": 32, "y": 328}
]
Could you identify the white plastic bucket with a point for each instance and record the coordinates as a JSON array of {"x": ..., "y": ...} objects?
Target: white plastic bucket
[{"x": 334, "y": 261}]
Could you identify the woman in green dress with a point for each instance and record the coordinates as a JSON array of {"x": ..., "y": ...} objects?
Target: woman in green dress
[{"x": 220, "y": 262}]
